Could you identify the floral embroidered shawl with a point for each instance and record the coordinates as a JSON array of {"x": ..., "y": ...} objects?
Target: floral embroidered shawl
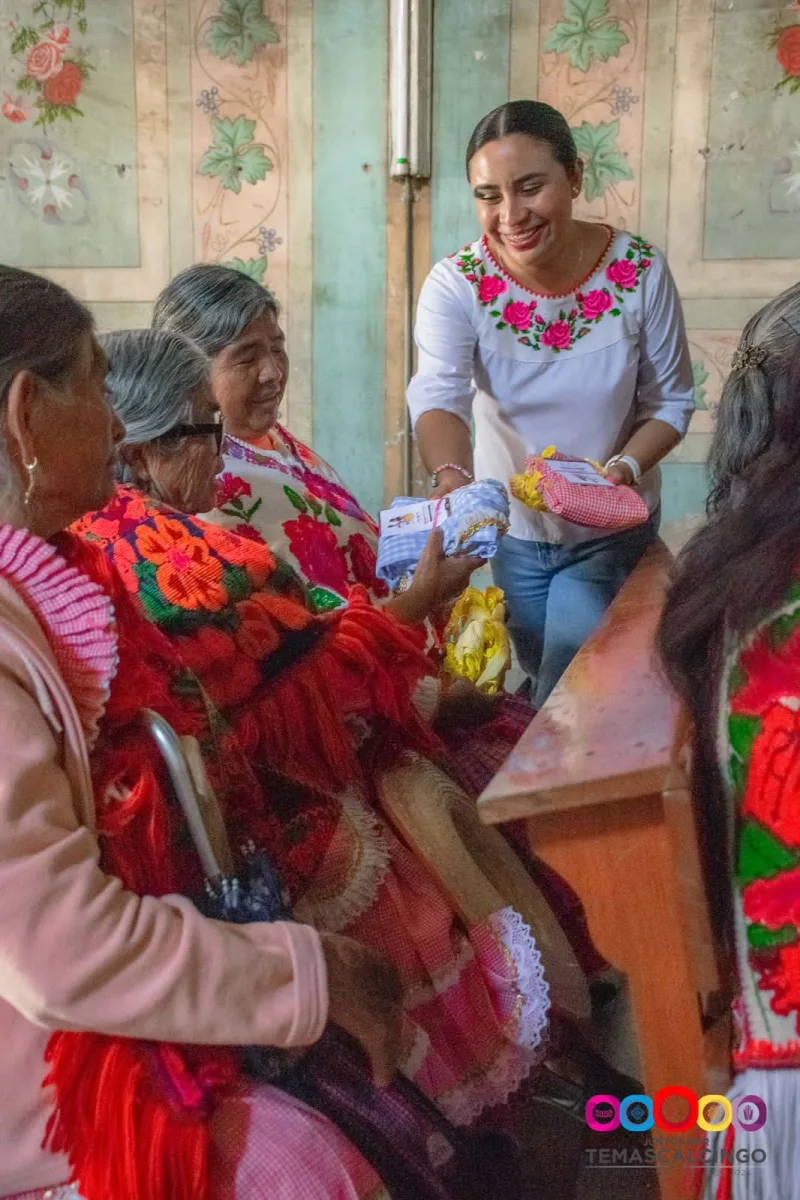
[
  {"x": 300, "y": 690},
  {"x": 283, "y": 493}
]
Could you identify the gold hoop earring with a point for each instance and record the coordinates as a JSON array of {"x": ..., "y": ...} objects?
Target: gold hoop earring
[{"x": 31, "y": 469}]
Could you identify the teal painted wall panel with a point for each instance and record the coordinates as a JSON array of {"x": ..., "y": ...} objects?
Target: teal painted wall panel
[
  {"x": 684, "y": 491},
  {"x": 349, "y": 259},
  {"x": 471, "y": 76}
]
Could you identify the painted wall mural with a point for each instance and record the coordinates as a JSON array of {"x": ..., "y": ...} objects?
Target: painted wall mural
[
  {"x": 68, "y": 87},
  {"x": 137, "y": 136}
]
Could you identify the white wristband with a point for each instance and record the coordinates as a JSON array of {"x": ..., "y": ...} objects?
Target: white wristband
[{"x": 629, "y": 461}]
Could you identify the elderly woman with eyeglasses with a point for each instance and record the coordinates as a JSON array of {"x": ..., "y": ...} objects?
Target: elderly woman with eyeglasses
[{"x": 322, "y": 706}]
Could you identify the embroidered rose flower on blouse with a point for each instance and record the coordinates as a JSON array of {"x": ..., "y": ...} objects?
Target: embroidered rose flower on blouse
[
  {"x": 230, "y": 487},
  {"x": 595, "y": 303},
  {"x": 314, "y": 544},
  {"x": 558, "y": 335},
  {"x": 519, "y": 315},
  {"x": 622, "y": 273},
  {"x": 490, "y": 287}
]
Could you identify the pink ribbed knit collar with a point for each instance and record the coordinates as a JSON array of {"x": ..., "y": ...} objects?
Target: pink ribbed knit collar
[{"x": 75, "y": 614}]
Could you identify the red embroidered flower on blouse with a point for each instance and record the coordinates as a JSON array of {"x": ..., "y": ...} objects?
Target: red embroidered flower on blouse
[
  {"x": 231, "y": 487},
  {"x": 518, "y": 314},
  {"x": 558, "y": 335},
  {"x": 595, "y": 303},
  {"x": 490, "y": 287},
  {"x": 321, "y": 559},
  {"x": 363, "y": 563},
  {"x": 622, "y": 273},
  {"x": 773, "y": 780}
]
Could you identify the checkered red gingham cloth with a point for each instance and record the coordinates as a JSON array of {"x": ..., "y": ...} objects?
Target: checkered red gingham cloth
[{"x": 612, "y": 508}]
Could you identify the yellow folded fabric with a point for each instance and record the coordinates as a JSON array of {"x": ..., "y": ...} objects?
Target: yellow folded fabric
[{"x": 477, "y": 645}]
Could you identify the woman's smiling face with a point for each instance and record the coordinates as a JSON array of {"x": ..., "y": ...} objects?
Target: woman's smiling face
[
  {"x": 249, "y": 378},
  {"x": 523, "y": 197}
]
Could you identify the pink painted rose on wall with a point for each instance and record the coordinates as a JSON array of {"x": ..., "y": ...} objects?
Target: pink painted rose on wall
[
  {"x": 44, "y": 61},
  {"x": 490, "y": 287},
  {"x": 788, "y": 51},
  {"x": 65, "y": 87},
  {"x": 13, "y": 111},
  {"x": 622, "y": 273}
]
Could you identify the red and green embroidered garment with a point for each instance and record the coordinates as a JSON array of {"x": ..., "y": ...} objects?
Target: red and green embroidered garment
[
  {"x": 301, "y": 691},
  {"x": 761, "y": 758}
]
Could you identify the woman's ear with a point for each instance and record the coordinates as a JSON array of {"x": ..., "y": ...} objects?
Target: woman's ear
[
  {"x": 576, "y": 177},
  {"x": 137, "y": 461},
  {"x": 20, "y": 415}
]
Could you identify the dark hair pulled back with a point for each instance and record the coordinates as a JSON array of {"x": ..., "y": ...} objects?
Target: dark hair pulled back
[{"x": 535, "y": 120}]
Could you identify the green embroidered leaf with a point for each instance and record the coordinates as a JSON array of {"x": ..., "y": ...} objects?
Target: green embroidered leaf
[
  {"x": 233, "y": 157},
  {"x": 588, "y": 31},
  {"x": 240, "y": 28},
  {"x": 736, "y": 680},
  {"x": 760, "y": 937},
  {"x": 253, "y": 268},
  {"x": 314, "y": 505},
  {"x": 761, "y": 856},
  {"x": 742, "y": 732},
  {"x": 700, "y": 377},
  {"x": 783, "y": 628},
  {"x": 250, "y": 512},
  {"x": 236, "y": 582},
  {"x": 324, "y": 600},
  {"x": 332, "y": 516},
  {"x": 616, "y": 312},
  {"x": 295, "y": 499},
  {"x": 603, "y": 164}
]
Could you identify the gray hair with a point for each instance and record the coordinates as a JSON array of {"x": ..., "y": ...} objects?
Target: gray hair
[
  {"x": 152, "y": 380},
  {"x": 746, "y": 420},
  {"x": 212, "y": 305},
  {"x": 41, "y": 328}
]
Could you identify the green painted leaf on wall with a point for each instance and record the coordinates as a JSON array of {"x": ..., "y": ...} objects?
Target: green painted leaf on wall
[
  {"x": 603, "y": 163},
  {"x": 588, "y": 31},
  {"x": 700, "y": 376},
  {"x": 255, "y": 268},
  {"x": 233, "y": 157},
  {"x": 240, "y": 28}
]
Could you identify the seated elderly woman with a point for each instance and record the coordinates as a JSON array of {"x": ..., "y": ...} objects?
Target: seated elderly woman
[
  {"x": 115, "y": 992},
  {"x": 276, "y": 488},
  {"x": 322, "y": 708}
]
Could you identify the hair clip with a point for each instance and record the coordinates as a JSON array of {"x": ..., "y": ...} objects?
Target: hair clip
[{"x": 749, "y": 356}]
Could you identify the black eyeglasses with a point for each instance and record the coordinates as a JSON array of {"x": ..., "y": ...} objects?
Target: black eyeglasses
[{"x": 204, "y": 429}]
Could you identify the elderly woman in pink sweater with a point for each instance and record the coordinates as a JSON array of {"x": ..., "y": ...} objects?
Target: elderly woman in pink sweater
[{"x": 119, "y": 1003}]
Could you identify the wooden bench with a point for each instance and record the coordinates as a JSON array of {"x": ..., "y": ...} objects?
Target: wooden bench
[{"x": 606, "y": 802}]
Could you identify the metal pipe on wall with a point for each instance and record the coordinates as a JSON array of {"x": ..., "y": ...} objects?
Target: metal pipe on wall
[{"x": 411, "y": 31}]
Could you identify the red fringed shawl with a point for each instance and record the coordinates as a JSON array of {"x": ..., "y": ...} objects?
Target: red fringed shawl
[{"x": 301, "y": 692}]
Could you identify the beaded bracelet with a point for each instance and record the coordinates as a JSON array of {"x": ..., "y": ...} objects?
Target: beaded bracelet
[{"x": 451, "y": 467}]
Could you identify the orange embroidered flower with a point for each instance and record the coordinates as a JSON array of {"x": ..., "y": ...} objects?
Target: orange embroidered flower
[
  {"x": 125, "y": 560},
  {"x": 187, "y": 574},
  {"x": 241, "y": 552},
  {"x": 256, "y": 636}
]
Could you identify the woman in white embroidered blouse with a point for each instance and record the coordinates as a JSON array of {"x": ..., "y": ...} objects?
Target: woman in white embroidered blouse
[{"x": 549, "y": 331}]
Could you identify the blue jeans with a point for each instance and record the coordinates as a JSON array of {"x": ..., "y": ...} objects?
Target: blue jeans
[{"x": 557, "y": 595}]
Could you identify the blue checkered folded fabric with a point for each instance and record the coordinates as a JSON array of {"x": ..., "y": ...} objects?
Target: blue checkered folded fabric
[{"x": 472, "y": 519}]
